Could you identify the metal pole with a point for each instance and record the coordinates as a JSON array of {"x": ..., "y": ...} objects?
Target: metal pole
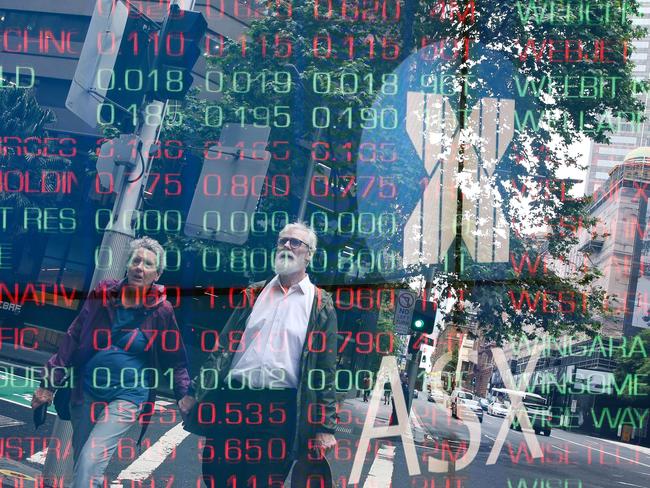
[
  {"x": 412, "y": 375},
  {"x": 115, "y": 246}
]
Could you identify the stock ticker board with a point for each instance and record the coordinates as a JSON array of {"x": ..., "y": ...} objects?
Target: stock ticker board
[{"x": 219, "y": 217}]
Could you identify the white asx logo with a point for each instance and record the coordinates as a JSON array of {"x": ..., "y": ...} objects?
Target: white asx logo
[{"x": 433, "y": 129}]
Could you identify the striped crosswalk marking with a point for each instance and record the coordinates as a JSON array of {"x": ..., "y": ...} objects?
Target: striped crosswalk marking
[
  {"x": 38, "y": 457},
  {"x": 146, "y": 464},
  {"x": 9, "y": 422},
  {"x": 381, "y": 471}
]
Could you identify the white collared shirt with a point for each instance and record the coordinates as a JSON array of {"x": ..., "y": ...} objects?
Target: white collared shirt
[{"x": 268, "y": 355}]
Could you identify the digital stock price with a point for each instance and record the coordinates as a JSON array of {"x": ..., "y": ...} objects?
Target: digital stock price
[{"x": 399, "y": 243}]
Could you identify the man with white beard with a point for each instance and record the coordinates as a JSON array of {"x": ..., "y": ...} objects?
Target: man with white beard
[{"x": 267, "y": 397}]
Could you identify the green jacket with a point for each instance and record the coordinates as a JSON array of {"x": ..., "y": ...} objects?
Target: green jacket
[{"x": 321, "y": 336}]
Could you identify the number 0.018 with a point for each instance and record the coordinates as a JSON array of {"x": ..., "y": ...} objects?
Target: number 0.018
[
  {"x": 351, "y": 83},
  {"x": 137, "y": 80}
]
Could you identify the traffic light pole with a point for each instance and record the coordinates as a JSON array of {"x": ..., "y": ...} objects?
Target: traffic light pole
[
  {"x": 115, "y": 247},
  {"x": 412, "y": 372}
]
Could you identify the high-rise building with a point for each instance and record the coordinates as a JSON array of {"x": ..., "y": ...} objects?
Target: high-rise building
[
  {"x": 620, "y": 247},
  {"x": 604, "y": 157},
  {"x": 42, "y": 40}
]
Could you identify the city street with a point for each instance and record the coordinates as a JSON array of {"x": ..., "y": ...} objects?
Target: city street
[
  {"x": 170, "y": 455},
  {"x": 296, "y": 203}
]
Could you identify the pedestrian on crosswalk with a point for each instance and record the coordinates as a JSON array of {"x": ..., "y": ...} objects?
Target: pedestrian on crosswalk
[
  {"x": 366, "y": 387},
  {"x": 272, "y": 379},
  {"x": 114, "y": 350},
  {"x": 404, "y": 383},
  {"x": 387, "y": 393}
]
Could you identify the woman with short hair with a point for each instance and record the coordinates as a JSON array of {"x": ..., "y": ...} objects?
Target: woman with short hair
[{"x": 115, "y": 347}]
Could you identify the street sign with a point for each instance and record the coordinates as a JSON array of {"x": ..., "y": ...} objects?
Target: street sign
[
  {"x": 97, "y": 61},
  {"x": 404, "y": 306},
  {"x": 220, "y": 209}
]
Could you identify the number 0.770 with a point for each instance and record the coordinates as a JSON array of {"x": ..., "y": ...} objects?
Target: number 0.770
[{"x": 367, "y": 118}]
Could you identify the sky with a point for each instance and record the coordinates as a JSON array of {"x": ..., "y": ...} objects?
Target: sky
[{"x": 579, "y": 149}]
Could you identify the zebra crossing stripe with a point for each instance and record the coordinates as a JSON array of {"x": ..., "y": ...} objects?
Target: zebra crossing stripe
[
  {"x": 148, "y": 462},
  {"x": 381, "y": 471}
]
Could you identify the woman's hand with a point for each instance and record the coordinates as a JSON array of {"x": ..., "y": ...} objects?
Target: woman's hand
[
  {"x": 41, "y": 396},
  {"x": 186, "y": 403},
  {"x": 324, "y": 441}
]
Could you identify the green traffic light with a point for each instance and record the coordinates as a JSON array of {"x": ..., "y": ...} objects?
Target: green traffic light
[{"x": 418, "y": 324}]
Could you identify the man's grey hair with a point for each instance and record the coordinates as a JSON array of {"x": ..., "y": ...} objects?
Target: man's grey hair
[
  {"x": 312, "y": 240},
  {"x": 151, "y": 245}
]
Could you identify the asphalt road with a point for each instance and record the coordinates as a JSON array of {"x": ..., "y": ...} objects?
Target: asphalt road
[{"x": 570, "y": 460}]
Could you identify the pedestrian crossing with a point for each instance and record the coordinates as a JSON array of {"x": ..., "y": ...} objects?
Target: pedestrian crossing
[
  {"x": 152, "y": 458},
  {"x": 161, "y": 453},
  {"x": 9, "y": 422}
]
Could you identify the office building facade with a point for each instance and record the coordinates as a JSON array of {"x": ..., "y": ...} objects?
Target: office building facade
[{"x": 603, "y": 158}]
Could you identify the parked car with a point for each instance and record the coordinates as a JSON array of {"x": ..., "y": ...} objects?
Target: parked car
[
  {"x": 472, "y": 405},
  {"x": 484, "y": 403},
  {"x": 539, "y": 414},
  {"x": 436, "y": 396},
  {"x": 458, "y": 397},
  {"x": 498, "y": 409}
]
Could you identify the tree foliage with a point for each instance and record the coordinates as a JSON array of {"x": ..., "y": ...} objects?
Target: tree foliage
[
  {"x": 637, "y": 365},
  {"x": 24, "y": 121},
  {"x": 311, "y": 69}
]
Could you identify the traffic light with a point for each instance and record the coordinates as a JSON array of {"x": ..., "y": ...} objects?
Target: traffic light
[
  {"x": 424, "y": 317},
  {"x": 176, "y": 52},
  {"x": 109, "y": 83},
  {"x": 127, "y": 58},
  {"x": 221, "y": 215}
]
